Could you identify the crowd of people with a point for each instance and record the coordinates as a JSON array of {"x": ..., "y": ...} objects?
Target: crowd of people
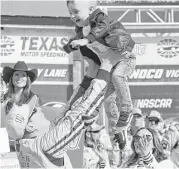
[{"x": 131, "y": 139}]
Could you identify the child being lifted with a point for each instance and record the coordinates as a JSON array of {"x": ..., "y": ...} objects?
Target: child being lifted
[{"x": 98, "y": 37}]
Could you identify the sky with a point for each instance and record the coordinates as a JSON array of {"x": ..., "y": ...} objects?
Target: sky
[{"x": 34, "y": 8}]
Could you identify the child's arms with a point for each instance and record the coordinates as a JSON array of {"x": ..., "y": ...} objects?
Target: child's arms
[
  {"x": 78, "y": 43},
  {"x": 109, "y": 33},
  {"x": 68, "y": 47}
]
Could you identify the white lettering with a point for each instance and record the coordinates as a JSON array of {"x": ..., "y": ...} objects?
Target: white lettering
[
  {"x": 169, "y": 103},
  {"x": 154, "y": 103},
  {"x": 39, "y": 71},
  {"x": 52, "y": 73},
  {"x": 55, "y": 73},
  {"x": 135, "y": 74},
  {"x": 143, "y": 74},
  {"x": 60, "y": 72},
  {"x": 147, "y": 74},
  {"x": 46, "y": 73},
  {"x": 150, "y": 74},
  {"x": 168, "y": 73},
  {"x": 158, "y": 73},
  {"x": 172, "y": 73},
  {"x": 151, "y": 103},
  {"x": 175, "y": 73}
]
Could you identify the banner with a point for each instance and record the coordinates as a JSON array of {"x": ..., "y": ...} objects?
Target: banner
[
  {"x": 38, "y": 49},
  {"x": 50, "y": 73},
  {"x": 154, "y": 49},
  {"x": 168, "y": 106},
  {"x": 165, "y": 99},
  {"x": 155, "y": 75}
]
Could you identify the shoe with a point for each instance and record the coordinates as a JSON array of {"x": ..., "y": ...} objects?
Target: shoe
[
  {"x": 124, "y": 120},
  {"x": 122, "y": 126}
]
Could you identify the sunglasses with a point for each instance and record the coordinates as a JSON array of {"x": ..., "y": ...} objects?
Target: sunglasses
[
  {"x": 154, "y": 120},
  {"x": 136, "y": 138},
  {"x": 137, "y": 116}
]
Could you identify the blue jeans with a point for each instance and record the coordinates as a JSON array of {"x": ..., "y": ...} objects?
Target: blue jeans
[
  {"x": 118, "y": 96},
  {"x": 118, "y": 86}
]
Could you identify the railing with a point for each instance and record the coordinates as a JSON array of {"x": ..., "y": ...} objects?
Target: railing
[{"x": 146, "y": 16}]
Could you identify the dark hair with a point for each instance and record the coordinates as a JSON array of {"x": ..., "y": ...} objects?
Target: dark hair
[{"x": 156, "y": 150}]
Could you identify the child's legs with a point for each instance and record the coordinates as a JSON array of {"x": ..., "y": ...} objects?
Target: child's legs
[
  {"x": 112, "y": 113},
  {"x": 111, "y": 108},
  {"x": 120, "y": 81}
]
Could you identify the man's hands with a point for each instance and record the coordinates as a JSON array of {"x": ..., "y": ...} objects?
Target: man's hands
[{"x": 78, "y": 43}]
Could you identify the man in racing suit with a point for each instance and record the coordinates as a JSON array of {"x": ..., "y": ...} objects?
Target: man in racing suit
[{"x": 52, "y": 144}]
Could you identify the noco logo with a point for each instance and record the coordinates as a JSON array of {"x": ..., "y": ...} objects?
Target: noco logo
[
  {"x": 168, "y": 48},
  {"x": 7, "y": 46}
]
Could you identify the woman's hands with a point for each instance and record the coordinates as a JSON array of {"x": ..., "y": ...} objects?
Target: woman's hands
[{"x": 144, "y": 145}]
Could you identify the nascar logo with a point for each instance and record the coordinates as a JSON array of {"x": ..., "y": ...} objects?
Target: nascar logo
[
  {"x": 168, "y": 48},
  {"x": 7, "y": 46}
]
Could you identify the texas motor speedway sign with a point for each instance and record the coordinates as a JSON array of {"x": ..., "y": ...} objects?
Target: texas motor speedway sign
[{"x": 33, "y": 47}]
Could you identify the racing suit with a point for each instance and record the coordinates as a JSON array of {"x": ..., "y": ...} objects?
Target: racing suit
[{"x": 66, "y": 131}]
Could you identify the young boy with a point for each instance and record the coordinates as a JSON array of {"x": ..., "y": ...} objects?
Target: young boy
[{"x": 99, "y": 38}]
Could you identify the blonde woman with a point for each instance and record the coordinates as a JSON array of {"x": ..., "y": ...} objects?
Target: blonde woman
[
  {"x": 24, "y": 118},
  {"x": 19, "y": 80},
  {"x": 46, "y": 143}
]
